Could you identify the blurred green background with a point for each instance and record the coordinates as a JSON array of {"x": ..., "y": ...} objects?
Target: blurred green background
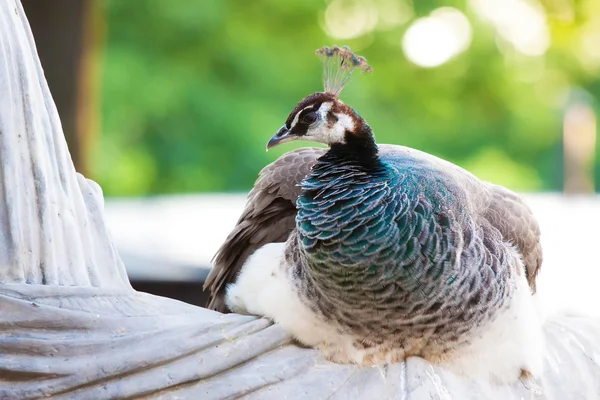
[
  {"x": 188, "y": 92},
  {"x": 164, "y": 97}
]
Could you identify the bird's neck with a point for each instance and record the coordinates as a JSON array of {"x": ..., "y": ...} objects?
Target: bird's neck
[
  {"x": 358, "y": 149},
  {"x": 341, "y": 205}
]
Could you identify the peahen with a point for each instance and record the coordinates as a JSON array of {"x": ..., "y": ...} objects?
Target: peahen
[{"x": 374, "y": 253}]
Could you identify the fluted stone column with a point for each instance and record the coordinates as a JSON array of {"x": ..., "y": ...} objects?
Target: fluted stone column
[{"x": 71, "y": 326}]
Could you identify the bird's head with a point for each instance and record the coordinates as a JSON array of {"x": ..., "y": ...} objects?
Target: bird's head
[{"x": 322, "y": 117}]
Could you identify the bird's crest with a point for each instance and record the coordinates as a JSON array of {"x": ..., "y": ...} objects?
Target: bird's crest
[{"x": 338, "y": 65}]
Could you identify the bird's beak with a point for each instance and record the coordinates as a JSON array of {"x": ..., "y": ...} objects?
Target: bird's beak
[{"x": 282, "y": 136}]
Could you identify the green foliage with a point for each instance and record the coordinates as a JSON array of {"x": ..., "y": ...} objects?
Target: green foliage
[{"x": 192, "y": 91}]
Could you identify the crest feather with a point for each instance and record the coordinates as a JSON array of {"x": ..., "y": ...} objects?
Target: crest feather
[{"x": 338, "y": 65}]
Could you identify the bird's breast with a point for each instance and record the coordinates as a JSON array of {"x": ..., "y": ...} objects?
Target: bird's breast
[{"x": 348, "y": 220}]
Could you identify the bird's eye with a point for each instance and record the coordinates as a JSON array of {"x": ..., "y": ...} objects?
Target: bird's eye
[{"x": 309, "y": 118}]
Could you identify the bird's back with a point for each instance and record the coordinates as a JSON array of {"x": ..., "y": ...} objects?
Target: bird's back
[
  {"x": 493, "y": 207},
  {"x": 447, "y": 185},
  {"x": 271, "y": 208}
]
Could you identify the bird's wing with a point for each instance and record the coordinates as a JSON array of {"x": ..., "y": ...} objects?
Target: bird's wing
[
  {"x": 515, "y": 221},
  {"x": 269, "y": 217}
]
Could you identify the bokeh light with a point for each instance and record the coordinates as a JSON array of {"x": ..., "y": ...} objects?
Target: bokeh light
[
  {"x": 434, "y": 40},
  {"x": 589, "y": 46},
  {"x": 522, "y": 23}
]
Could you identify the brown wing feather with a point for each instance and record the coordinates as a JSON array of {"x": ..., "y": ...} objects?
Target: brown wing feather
[
  {"x": 515, "y": 221},
  {"x": 269, "y": 217}
]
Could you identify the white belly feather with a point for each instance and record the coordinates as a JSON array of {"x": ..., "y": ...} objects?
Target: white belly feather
[{"x": 498, "y": 352}]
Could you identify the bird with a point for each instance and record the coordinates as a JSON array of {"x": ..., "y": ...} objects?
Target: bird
[{"x": 372, "y": 253}]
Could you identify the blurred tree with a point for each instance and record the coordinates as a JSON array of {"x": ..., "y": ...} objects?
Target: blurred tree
[{"x": 191, "y": 91}]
